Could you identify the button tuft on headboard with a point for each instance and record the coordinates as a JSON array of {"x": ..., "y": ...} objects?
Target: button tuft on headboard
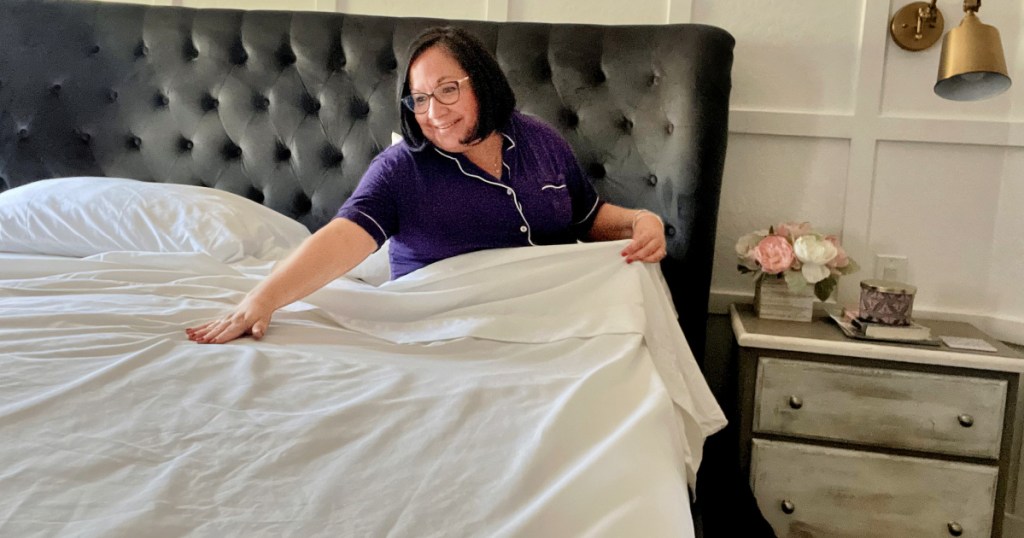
[
  {"x": 282, "y": 153},
  {"x": 569, "y": 118},
  {"x": 160, "y": 100},
  {"x": 141, "y": 50},
  {"x": 596, "y": 171},
  {"x": 238, "y": 54},
  {"x": 626, "y": 124},
  {"x": 254, "y": 194},
  {"x": 134, "y": 142},
  {"x": 388, "y": 62},
  {"x": 84, "y": 137},
  {"x": 301, "y": 203},
  {"x": 652, "y": 180},
  {"x": 336, "y": 58},
  {"x": 111, "y": 95},
  {"x": 310, "y": 104},
  {"x": 285, "y": 56},
  {"x": 95, "y": 49},
  {"x": 358, "y": 108},
  {"x": 55, "y": 89},
  {"x": 208, "y": 103},
  {"x": 231, "y": 151},
  {"x": 330, "y": 156},
  {"x": 542, "y": 68},
  {"x": 260, "y": 102},
  {"x": 185, "y": 144},
  {"x": 189, "y": 51},
  {"x": 23, "y": 134}
]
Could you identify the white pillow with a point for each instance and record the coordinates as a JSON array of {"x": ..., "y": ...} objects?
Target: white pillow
[
  {"x": 83, "y": 216},
  {"x": 375, "y": 269}
]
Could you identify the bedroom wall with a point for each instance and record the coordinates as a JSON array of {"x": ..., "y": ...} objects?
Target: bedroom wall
[{"x": 832, "y": 123}]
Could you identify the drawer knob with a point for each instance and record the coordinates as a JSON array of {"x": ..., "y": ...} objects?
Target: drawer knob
[
  {"x": 788, "y": 507},
  {"x": 966, "y": 420},
  {"x": 796, "y": 402},
  {"x": 954, "y": 528}
]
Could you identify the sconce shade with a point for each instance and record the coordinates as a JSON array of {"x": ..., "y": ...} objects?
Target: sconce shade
[{"x": 972, "y": 65}]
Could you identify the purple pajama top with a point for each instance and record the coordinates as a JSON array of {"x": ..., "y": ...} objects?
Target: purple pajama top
[{"x": 434, "y": 205}]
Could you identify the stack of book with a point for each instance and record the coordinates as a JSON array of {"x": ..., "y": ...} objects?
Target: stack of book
[{"x": 855, "y": 327}]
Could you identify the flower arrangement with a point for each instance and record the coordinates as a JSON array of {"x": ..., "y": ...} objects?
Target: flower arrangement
[{"x": 794, "y": 251}]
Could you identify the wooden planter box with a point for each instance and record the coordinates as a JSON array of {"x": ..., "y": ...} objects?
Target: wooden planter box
[{"x": 774, "y": 300}]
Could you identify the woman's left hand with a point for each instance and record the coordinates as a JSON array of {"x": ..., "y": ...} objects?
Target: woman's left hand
[{"x": 648, "y": 244}]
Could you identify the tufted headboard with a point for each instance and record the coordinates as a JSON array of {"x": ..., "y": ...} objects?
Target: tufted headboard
[{"x": 288, "y": 108}]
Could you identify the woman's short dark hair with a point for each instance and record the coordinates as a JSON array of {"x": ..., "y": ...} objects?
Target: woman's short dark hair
[{"x": 493, "y": 94}]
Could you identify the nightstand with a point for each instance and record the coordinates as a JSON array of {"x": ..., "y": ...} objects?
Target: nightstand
[{"x": 845, "y": 437}]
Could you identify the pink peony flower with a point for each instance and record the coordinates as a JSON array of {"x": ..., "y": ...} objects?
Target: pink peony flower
[
  {"x": 841, "y": 259},
  {"x": 775, "y": 254}
]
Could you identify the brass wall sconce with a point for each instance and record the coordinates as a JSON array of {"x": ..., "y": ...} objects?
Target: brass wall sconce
[
  {"x": 972, "y": 65},
  {"x": 917, "y": 26}
]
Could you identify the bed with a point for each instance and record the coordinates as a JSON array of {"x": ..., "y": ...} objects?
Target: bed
[{"x": 156, "y": 161}]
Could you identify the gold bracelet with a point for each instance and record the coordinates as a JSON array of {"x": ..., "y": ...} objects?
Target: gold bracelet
[{"x": 639, "y": 213}]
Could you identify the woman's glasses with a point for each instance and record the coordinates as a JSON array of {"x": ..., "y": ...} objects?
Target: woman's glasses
[{"x": 446, "y": 94}]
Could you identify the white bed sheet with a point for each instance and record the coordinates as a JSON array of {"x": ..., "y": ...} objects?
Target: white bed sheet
[{"x": 522, "y": 392}]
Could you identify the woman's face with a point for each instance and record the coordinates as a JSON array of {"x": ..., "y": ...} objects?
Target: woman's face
[{"x": 443, "y": 125}]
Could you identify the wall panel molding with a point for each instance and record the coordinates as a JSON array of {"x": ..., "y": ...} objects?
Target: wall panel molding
[
  {"x": 497, "y": 10},
  {"x": 824, "y": 125},
  {"x": 678, "y": 11},
  {"x": 327, "y": 5},
  {"x": 973, "y": 132},
  {"x": 791, "y": 123}
]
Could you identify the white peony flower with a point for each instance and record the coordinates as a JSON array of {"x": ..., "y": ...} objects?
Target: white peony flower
[
  {"x": 815, "y": 273},
  {"x": 814, "y": 251}
]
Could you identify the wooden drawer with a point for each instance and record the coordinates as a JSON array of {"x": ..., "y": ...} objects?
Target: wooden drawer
[
  {"x": 811, "y": 491},
  {"x": 890, "y": 408}
]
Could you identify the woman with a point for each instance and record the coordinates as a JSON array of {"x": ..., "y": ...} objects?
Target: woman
[{"x": 472, "y": 174}]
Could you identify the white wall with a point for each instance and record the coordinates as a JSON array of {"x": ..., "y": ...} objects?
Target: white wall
[{"x": 831, "y": 122}]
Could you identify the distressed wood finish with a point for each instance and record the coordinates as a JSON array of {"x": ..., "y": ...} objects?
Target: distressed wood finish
[
  {"x": 870, "y": 446},
  {"x": 846, "y": 493},
  {"x": 774, "y": 300},
  {"x": 884, "y": 407}
]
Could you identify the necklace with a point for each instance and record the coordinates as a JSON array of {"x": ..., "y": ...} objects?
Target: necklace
[
  {"x": 497, "y": 166},
  {"x": 491, "y": 166},
  {"x": 498, "y": 161}
]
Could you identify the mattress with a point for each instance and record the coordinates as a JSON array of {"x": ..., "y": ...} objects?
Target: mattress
[{"x": 540, "y": 391}]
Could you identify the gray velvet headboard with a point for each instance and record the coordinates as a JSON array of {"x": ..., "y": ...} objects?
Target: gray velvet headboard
[{"x": 288, "y": 108}]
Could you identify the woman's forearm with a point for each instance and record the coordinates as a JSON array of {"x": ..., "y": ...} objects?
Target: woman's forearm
[
  {"x": 326, "y": 255},
  {"x": 614, "y": 222},
  {"x": 644, "y": 228}
]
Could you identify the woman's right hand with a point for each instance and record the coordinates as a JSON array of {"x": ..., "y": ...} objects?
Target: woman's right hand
[
  {"x": 327, "y": 254},
  {"x": 250, "y": 317}
]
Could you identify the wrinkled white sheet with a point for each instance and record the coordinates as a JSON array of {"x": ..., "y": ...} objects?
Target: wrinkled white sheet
[{"x": 524, "y": 392}]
